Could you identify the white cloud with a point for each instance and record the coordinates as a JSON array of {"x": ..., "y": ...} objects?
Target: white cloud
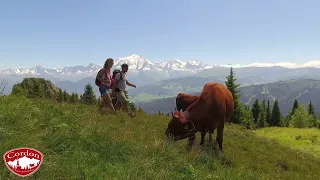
[{"x": 315, "y": 63}]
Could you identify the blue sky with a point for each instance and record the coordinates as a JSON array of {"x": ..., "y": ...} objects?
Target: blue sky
[{"x": 61, "y": 33}]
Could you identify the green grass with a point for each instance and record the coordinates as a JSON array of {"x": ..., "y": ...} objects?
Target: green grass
[
  {"x": 79, "y": 143},
  {"x": 304, "y": 139}
]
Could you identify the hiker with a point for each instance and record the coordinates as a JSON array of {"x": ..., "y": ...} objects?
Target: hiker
[
  {"x": 103, "y": 80},
  {"x": 119, "y": 88}
]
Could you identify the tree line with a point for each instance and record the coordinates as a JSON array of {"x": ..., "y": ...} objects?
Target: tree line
[
  {"x": 41, "y": 88},
  {"x": 262, "y": 114}
]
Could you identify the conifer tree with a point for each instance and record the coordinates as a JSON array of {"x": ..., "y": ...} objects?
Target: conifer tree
[
  {"x": 300, "y": 118},
  {"x": 268, "y": 114},
  {"x": 38, "y": 91},
  {"x": 256, "y": 111},
  {"x": 48, "y": 94},
  {"x": 60, "y": 96},
  {"x": 88, "y": 97},
  {"x": 295, "y": 106},
  {"x": 262, "y": 120},
  {"x": 276, "y": 114},
  {"x": 246, "y": 118},
  {"x": 65, "y": 96},
  {"x": 74, "y": 98},
  {"x": 233, "y": 87},
  {"x": 312, "y": 113}
]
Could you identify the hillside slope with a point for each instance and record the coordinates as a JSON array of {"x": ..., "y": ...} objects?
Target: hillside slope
[{"x": 79, "y": 143}]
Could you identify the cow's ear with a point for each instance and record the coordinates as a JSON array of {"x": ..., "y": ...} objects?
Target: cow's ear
[{"x": 174, "y": 116}]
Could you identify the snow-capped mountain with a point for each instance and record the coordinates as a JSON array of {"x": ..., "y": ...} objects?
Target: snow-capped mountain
[
  {"x": 178, "y": 65},
  {"x": 136, "y": 63},
  {"x": 40, "y": 70}
]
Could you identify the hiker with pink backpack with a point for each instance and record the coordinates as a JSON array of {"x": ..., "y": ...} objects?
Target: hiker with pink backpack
[{"x": 103, "y": 81}]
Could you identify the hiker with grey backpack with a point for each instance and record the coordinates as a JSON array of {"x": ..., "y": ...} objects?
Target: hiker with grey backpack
[{"x": 119, "y": 88}]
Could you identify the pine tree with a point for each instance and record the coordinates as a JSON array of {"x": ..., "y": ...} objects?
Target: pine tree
[
  {"x": 295, "y": 106},
  {"x": 74, "y": 98},
  {"x": 300, "y": 118},
  {"x": 276, "y": 114},
  {"x": 256, "y": 111},
  {"x": 246, "y": 118},
  {"x": 233, "y": 87},
  {"x": 88, "y": 97},
  {"x": 268, "y": 114},
  {"x": 48, "y": 94},
  {"x": 18, "y": 90},
  {"x": 60, "y": 96},
  {"x": 262, "y": 120},
  {"x": 65, "y": 96},
  {"x": 38, "y": 91},
  {"x": 81, "y": 98},
  {"x": 312, "y": 113}
]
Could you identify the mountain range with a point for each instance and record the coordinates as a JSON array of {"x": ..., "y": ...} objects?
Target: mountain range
[
  {"x": 164, "y": 79},
  {"x": 304, "y": 90},
  {"x": 136, "y": 64}
]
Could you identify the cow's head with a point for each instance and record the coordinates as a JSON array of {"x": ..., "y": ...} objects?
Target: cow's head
[{"x": 178, "y": 127}]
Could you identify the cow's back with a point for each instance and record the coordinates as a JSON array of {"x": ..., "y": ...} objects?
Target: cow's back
[
  {"x": 183, "y": 101},
  {"x": 214, "y": 103}
]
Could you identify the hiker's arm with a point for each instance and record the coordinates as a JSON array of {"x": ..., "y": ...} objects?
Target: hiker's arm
[{"x": 129, "y": 84}]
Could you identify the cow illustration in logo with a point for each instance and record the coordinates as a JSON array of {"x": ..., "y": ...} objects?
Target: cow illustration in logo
[{"x": 23, "y": 161}]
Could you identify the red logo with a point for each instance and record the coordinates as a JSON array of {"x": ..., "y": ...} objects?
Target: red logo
[{"x": 23, "y": 161}]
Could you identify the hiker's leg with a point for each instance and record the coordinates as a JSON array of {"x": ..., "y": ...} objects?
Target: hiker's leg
[
  {"x": 102, "y": 104},
  {"x": 118, "y": 105},
  {"x": 124, "y": 102},
  {"x": 107, "y": 99},
  {"x": 102, "y": 92}
]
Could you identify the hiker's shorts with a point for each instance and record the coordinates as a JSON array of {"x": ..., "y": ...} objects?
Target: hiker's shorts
[
  {"x": 121, "y": 97},
  {"x": 104, "y": 89}
]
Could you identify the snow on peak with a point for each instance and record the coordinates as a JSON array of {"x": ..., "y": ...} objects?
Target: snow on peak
[
  {"x": 135, "y": 62},
  {"x": 315, "y": 63}
]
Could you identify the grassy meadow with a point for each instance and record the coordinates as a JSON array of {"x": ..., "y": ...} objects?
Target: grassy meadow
[
  {"x": 80, "y": 143},
  {"x": 304, "y": 139}
]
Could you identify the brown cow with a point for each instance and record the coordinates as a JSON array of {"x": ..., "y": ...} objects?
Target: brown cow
[
  {"x": 183, "y": 101},
  {"x": 213, "y": 108}
]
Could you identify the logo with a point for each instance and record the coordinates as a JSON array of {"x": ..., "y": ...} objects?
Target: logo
[{"x": 23, "y": 161}]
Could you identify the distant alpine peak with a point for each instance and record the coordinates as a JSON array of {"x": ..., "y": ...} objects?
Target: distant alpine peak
[{"x": 135, "y": 62}]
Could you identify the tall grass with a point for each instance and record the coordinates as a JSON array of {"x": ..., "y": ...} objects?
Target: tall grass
[
  {"x": 304, "y": 139},
  {"x": 80, "y": 143}
]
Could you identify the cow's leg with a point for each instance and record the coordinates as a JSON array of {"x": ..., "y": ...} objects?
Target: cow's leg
[
  {"x": 220, "y": 135},
  {"x": 203, "y": 134},
  {"x": 210, "y": 135},
  {"x": 192, "y": 139}
]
